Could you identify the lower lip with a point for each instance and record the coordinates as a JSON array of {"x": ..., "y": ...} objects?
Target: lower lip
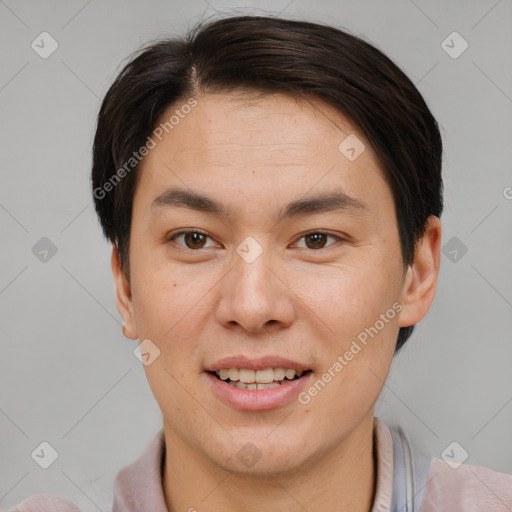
[{"x": 257, "y": 399}]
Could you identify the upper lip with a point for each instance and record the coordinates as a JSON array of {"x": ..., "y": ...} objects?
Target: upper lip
[{"x": 256, "y": 363}]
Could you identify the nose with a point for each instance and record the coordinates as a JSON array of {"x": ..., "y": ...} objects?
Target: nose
[{"x": 255, "y": 295}]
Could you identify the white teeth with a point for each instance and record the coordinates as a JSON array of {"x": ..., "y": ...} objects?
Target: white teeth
[
  {"x": 246, "y": 376},
  {"x": 266, "y": 376},
  {"x": 253, "y": 385},
  {"x": 290, "y": 374},
  {"x": 233, "y": 374},
  {"x": 279, "y": 373}
]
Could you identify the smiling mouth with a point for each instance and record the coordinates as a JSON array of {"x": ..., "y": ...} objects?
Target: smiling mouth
[{"x": 258, "y": 379}]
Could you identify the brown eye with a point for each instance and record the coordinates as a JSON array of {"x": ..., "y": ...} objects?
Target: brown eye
[
  {"x": 317, "y": 239},
  {"x": 192, "y": 239}
]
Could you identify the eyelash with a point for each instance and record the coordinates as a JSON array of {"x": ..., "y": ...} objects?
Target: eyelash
[{"x": 313, "y": 232}]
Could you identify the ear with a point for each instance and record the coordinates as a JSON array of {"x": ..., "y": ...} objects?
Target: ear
[
  {"x": 421, "y": 279},
  {"x": 123, "y": 296}
]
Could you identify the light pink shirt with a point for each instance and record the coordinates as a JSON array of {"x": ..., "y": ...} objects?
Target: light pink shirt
[{"x": 469, "y": 488}]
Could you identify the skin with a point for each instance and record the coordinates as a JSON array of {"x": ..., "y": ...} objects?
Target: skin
[{"x": 304, "y": 299}]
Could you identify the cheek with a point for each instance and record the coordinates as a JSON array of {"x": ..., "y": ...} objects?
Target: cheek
[
  {"x": 350, "y": 297},
  {"x": 169, "y": 312},
  {"x": 358, "y": 309},
  {"x": 356, "y": 353},
  {"x": 171, "y": 309},
  {"x": 160, "y": 295}
]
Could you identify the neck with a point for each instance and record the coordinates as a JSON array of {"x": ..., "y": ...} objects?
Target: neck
[{"x": 343, "y": 478}]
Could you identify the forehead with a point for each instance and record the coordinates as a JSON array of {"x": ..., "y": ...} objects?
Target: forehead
[
  {"x": 233, "y": 144},
  {"x": 263, "y": 125}
]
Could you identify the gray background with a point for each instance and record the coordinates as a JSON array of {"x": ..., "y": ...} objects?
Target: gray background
[{"x": 67, "y": 374}]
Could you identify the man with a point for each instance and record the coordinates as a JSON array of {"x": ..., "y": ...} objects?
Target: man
[{"x": 272, "y": 190}]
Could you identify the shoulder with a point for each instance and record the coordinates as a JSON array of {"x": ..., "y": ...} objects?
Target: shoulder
[
  {"x": 138, "y": 486},
  {"x": 439, "y": 485},
  {"x": 45, "y": 503},
  {"x": 467, "y": 488}
]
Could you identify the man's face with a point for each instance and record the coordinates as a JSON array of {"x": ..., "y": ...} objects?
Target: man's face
[{"x": 255, "y": 291}]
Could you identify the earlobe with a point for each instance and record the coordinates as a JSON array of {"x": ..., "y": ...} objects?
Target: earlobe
[
  {"x": 421, "y": 280},
  {"x": 123, "y": 296}
]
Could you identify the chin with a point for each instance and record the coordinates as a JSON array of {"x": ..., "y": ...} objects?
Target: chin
[
  {"x": 263, "y": 463},
  {"x": 259, "y": 454}
]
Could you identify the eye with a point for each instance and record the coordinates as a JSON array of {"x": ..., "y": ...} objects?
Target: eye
[
  {"x": 316, "y": 239},
  {"x": 193, "y": 239}
]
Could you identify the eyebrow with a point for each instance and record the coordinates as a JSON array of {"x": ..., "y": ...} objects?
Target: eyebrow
[{"x": 319, "y": 203}]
